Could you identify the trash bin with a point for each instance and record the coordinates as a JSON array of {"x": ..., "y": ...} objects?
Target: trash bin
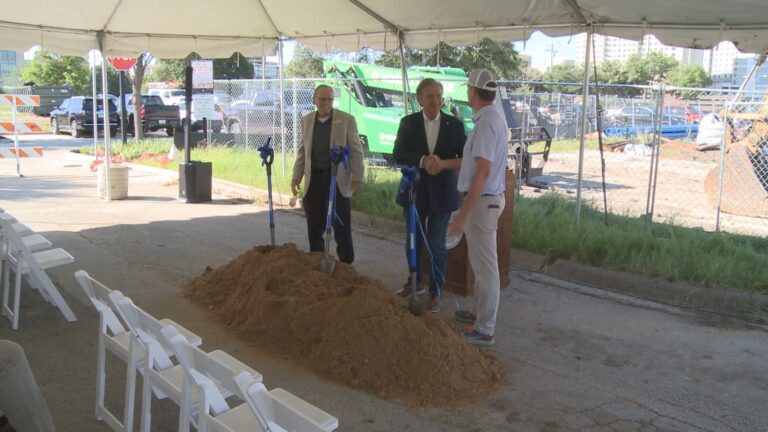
[
  {"x": 195, "y": 181},
  {"x": 118, "y": 182},
  {"x": 459, "y": 278}
]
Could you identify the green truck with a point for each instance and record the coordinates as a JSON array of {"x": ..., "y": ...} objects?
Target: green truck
[{"x": 374, "y": 96}]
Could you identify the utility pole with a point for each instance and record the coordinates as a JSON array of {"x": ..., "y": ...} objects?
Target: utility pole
[{"x": 552, "y": 52}]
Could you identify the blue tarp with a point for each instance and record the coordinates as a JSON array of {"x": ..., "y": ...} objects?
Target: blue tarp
[{"x": 667, "y": 131}]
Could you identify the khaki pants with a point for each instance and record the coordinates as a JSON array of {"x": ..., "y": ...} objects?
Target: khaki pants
[
  {"x": 481, "y": 243},
  {"x": 20, "y": 397}
]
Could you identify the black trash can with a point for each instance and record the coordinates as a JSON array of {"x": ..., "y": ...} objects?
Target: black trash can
[{"x": 195, "y": 181}]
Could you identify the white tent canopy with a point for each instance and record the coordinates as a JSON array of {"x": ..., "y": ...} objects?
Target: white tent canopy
[{"x": 217, "y": 28}]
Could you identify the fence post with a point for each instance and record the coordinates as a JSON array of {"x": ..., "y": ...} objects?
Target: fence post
[
  {"x": 655, "y": 156},
  {"x": 728, "y": 108}
]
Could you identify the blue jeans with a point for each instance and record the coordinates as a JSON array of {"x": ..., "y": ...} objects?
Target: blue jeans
[{"x": 435, "y": 226}]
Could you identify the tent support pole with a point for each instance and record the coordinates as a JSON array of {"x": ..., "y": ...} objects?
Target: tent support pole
[
  {"x": 282, "y": 102},
  {"x": 404, "y": 71},
  {"x": 583, "y": 125},
  {"x": 107, "y": 137}
]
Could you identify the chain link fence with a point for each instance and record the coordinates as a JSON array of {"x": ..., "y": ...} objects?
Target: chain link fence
[{"x": 661, "y": 144}]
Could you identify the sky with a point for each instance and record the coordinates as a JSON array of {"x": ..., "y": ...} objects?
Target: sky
[{"x": 543, "y": 49}]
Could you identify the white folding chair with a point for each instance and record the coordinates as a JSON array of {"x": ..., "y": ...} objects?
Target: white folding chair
[
  {"x": 22, "y": 261},
  {"x": 282, "y": 408},
  {"x": 263, "y": 411},
  {"x": 114, "y": 336},
  {"x": 161, "y": 376}
]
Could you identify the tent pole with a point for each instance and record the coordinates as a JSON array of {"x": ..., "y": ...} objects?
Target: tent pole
[
  {"x": 404, "y": 70},
  {"x": 105, "y": 102},
  {"x": 583, "y": 125},
  {"x": 282, "y": 102},
  {"x": 95, "y": 117}
]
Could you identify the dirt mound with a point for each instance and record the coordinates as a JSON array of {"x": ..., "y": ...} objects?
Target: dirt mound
[{"x": 345, "y": 327}]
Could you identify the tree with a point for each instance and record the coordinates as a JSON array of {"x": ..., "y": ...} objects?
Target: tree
[
  {"x": 305, "y": 63},
  {"x": 234, "y": 67},
  {"x": 47, "y": 69},
  {"x": 168, "y": 70},
  {"x": 691, "y": 75},
  {"x": 138, "y": 81},
  {"x": 564, "y": 73},
  {"x": 645, "y": 69},
  {"x": 498, "y": 57}
]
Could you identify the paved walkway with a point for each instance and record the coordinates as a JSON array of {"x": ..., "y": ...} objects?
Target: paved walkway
[{"x": 579, "y": 359}]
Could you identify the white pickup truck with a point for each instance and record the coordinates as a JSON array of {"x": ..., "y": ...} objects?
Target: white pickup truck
[{"x": 172, "y": 96}]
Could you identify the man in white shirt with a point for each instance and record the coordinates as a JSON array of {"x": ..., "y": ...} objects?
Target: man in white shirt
[
  {"x": 433, "y": 141},
  {"x": 481, "y": 181}
]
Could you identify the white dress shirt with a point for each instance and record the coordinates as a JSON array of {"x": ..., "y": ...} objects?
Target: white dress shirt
[{"x": 432, "y": 128}]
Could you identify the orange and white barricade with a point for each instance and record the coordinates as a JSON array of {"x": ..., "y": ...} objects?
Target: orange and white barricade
[{"x": 16, "y": 127}]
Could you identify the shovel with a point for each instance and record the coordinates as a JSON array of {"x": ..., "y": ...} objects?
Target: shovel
[
  {"x": 338, "y": 155},
  {"x": 410, "y": 177},
  {"x": 267, "y": 157}
]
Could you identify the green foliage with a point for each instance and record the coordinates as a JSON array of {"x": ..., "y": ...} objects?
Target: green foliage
[
  {"x": 678, "y": 254},
  {"x": 691, "y": 75},
  {"x": 236, "y": 66},
  {"x": 646, "y": 69},
  {"x": 47, "y": 69},
  {"x": 498, "y": 57},
  {"x": 305, "y": 63},
  {"x": 168, "y": 70},
  {"x": 564, "y": 73}
]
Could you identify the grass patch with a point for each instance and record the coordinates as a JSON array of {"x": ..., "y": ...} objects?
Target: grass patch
[{"x": 546, "y": 225}]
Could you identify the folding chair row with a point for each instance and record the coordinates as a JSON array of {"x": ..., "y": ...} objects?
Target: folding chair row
[
  {"x": 28, "y": 254},
  {"x": 262, "y": 410},
  {"x": 140, "y": 340}
]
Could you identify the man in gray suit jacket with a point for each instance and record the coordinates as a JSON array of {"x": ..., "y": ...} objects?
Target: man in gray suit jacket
[{"x": 321, "y": 130}]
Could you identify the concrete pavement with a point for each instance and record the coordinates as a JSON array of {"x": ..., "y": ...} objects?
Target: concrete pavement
[{"x": 579, "y": 358}]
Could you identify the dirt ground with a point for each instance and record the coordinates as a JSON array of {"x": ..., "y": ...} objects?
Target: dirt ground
[
  {"x": 345, "y": 327},
  {"x": 679, "y": 196}
]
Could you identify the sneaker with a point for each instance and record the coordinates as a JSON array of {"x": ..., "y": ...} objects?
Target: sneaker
[
  {"x": 474, "y": 337},
  {"x": 434, "y": 303},
  {"x": 405, "y": 291},
  {"x": 464, "y": 316}
]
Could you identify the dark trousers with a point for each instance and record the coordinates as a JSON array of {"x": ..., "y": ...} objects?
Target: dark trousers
[
  {"x": 435, "y": 228},
  {"x": 315, "y": 204}
]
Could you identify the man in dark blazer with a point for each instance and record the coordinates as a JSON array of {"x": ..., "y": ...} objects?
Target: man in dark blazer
[{"x": 433, "y": 141}]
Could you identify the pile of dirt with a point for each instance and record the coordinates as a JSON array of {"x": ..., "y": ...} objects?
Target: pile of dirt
[{"x": 345, "y": 327}]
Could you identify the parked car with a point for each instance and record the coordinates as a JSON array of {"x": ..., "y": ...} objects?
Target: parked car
[
  {"x": 691, "y": 113},
  {"x": 261, "y": 114},
  {"x": 172, "y": 96},
  {"x": 155, "y": 115},
  {"x": 641, "y": 115},
  {"x": 75, "y": 115}
]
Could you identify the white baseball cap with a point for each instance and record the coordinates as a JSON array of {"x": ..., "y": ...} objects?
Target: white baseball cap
[{"x": 482, "y": 79}]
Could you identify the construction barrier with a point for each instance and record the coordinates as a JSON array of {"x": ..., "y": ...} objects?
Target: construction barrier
[
  {"x": 16, "y": 127},
  {"x": 20, "y": 127},
  {"x": 22, "y": 152}
]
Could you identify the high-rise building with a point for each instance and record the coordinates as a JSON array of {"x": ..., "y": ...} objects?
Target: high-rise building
[
  {"x": 742, "y": 66},
  {"x": 719, "y": 63},
  {"x": 613, "y": 48},
  {"x": 10, "y": 62}
]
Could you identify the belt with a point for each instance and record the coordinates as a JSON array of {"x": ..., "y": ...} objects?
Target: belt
[
  {"x": 320, "y": 172},
  {"x": 486, "y": 195}
]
